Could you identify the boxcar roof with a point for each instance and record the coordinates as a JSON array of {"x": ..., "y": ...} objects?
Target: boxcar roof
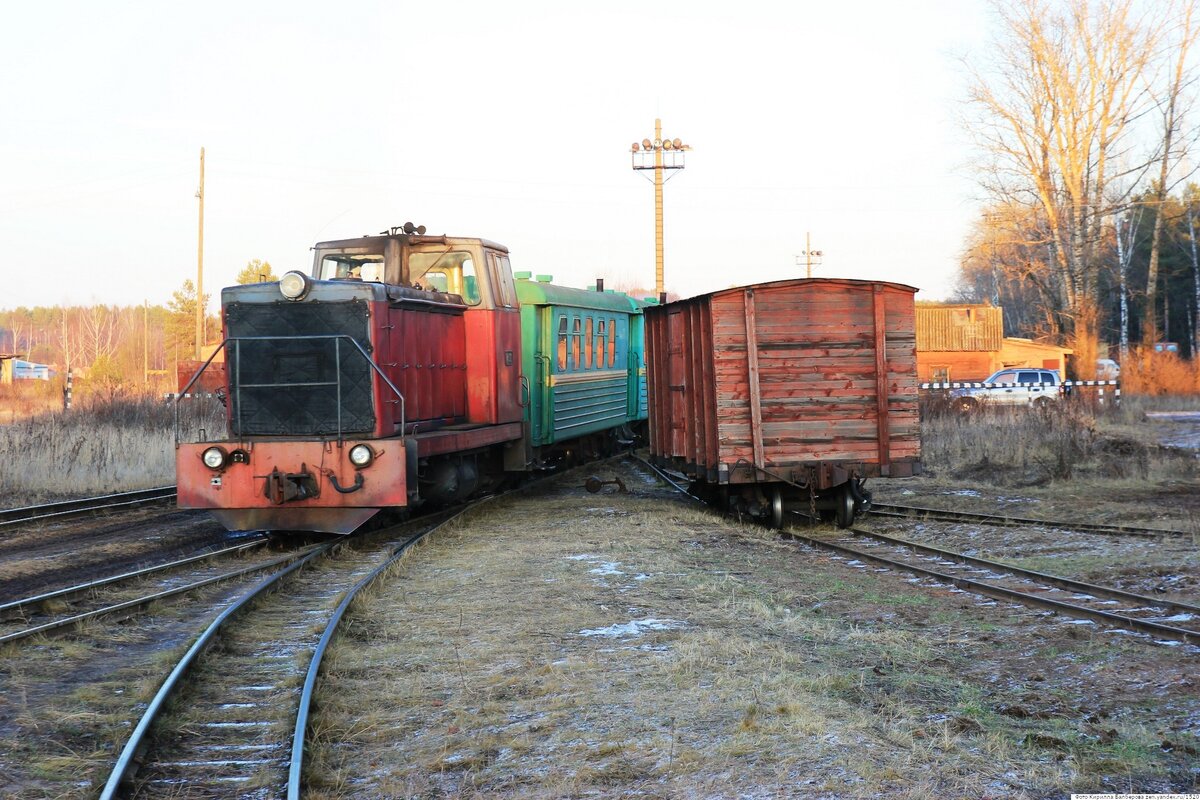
[{"x": 799, "y": 282}]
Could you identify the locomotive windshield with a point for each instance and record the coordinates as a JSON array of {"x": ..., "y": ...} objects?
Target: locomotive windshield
[
  {"x": 343, "y": 266},
  {"x": 450, "y": 271}
]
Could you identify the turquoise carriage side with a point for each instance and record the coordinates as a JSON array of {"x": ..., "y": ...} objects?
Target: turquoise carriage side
[{"x": 583, "y": 359}]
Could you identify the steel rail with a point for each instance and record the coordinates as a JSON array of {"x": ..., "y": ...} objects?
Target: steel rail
[
  {"x": 1069, "y": 584},
  {"x": 987, "y": 589},
  {"x": 85, "y": 505},
  {"x": 888, "y": 510},
  {"x": 125, "y": 762},
  {"x": 80, "y": 588},
  {"x": 1004, "y": 593},
  {"x": 146, "y": 600}
]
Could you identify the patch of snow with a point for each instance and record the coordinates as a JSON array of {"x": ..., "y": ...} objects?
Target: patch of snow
[
  {"x": 635, "y": 627},
  {"x": 607, "y": 568}
]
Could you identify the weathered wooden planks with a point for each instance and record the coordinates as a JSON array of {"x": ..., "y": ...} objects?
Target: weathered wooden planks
[{"x": 786, "y": 374}]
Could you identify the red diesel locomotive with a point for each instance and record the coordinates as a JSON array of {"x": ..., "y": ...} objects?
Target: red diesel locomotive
[{"x": 407, "y": 369}]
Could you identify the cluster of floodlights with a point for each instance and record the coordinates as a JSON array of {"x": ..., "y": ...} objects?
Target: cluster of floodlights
[{"x": 659, "y": 144}]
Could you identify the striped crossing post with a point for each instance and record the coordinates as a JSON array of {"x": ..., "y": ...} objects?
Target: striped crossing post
[{"x": 67, "y": 391}]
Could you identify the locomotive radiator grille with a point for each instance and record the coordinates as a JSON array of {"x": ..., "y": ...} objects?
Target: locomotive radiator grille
[{"x": 290, "y": 374}]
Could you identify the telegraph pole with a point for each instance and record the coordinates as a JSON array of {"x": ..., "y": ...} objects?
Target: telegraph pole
[
  {"x": 146, "y": 343},
  {"x": 668, "y": 154},
  {"x": 809, "y": 254},
  {"x": 200, "y": 264}
]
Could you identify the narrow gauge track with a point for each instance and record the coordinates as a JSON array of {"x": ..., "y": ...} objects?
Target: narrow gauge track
[
  {"x": 85, "y": 505},
  {"x": 41, "y": 614},
  {"x": 917, "y": 512},
  {"x": 246, "y": 720},
  {"x": 1004, "y": 582}
]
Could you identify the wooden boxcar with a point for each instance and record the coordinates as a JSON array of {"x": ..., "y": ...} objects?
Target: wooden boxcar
[{"x": 786, "y": 395}]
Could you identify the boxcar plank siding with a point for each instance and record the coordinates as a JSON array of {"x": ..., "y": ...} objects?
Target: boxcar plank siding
[{"x": 794, "y": 374}]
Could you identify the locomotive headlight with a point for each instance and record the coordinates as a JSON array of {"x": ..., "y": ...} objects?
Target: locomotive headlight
[
  {"x": 294, "y": 285},
  {"x": 361, "y": 455},
  {"x": 213, "y": 458}
]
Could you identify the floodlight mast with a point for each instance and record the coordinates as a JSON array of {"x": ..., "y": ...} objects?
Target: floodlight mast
[{"x": 674, "y": 151}]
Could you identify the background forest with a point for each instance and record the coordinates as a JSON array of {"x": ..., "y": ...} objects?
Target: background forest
[{"x": 118, "y": 348}]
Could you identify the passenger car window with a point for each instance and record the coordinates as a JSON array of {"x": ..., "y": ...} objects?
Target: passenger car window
[
  {"x": 576, "y": 336},
  {"x": 612, "y": 342},
  {"x": 1027, "y": 377},
  {"x": 587, "y": 338},
  {"x": 562, "y": 343}
]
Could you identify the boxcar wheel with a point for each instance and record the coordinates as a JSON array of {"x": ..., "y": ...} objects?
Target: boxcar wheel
[
  {"x": 845, "y": 507},
  {"x": 777, "y": 508}
]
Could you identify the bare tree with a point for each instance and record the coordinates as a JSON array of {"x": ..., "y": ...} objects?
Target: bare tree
[{"x": 1052, "y": 116}]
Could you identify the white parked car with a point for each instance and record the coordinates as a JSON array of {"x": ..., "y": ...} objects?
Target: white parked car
[
  {"x": 1014, "y": 386},
  {"x": 1107, "y": 370}
]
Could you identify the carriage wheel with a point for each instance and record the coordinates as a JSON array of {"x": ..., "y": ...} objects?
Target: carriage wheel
[
  {"x": 777, "y": 508},
  {"x": 845, "y": 507}
]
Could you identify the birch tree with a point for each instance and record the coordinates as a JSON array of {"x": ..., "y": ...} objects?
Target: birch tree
[{"x": 1172, "y": 104}]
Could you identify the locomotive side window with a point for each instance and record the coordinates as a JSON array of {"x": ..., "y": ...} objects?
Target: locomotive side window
[
  {"x": 451, "y": 271},
  {"x": 575, "y": 336},
  {"x": 562, "y": 343},
  {"x": 501, "y": 274},
  {"x": 587, "y": 338}
]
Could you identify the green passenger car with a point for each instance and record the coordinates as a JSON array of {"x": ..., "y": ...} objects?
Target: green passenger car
[{"x": 583, "y": 361}]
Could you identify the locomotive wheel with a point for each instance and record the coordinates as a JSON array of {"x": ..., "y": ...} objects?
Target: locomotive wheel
[
  {"x": 777, "y": 508},
  {"x": 845, "y": 507}
]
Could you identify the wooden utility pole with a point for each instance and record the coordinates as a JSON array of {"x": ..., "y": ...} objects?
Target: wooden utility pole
[
  {"x": 674, "y": 149},
  {"x": 809, "y": 254},
  {"x": 200, "y": 265},
  {"x": 145, "y": 342},
  {"x": 658, "y": 212}
]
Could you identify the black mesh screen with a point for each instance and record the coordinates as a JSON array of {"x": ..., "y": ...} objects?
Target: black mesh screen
[{"x": 290, "y": 386}]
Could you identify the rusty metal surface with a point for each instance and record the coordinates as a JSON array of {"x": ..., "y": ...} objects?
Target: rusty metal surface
[
  {"x": 802, "y": 377},
  {"x": 237, "y": 495}
]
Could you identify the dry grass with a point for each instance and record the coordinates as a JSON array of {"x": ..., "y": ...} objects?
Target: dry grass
[
  {"x": 96, "y": 448},
  {"x": 733, "y": 668},
  {"x": 1158, "y": 374},
  {"x": 1024, "y": 447}
]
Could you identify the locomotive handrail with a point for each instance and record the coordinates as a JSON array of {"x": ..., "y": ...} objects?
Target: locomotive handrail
[{"x": 337, "y": 337}]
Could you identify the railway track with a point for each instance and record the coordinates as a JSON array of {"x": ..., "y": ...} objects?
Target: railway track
[
  {"x": 916, "y": 512},
  {"x": 84, "y": 506},
  {"x": 1107, "y": 605},
  {"x": 244, "y": 717},
  {"x": 1084, "y": 601},
  {"x": 123, "y": 595}
]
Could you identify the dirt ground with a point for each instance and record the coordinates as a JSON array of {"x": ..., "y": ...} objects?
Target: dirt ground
[{"x": 576, "y": 645}]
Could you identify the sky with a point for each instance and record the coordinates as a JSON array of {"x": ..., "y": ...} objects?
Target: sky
[{"x": 508, "y": 121}]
